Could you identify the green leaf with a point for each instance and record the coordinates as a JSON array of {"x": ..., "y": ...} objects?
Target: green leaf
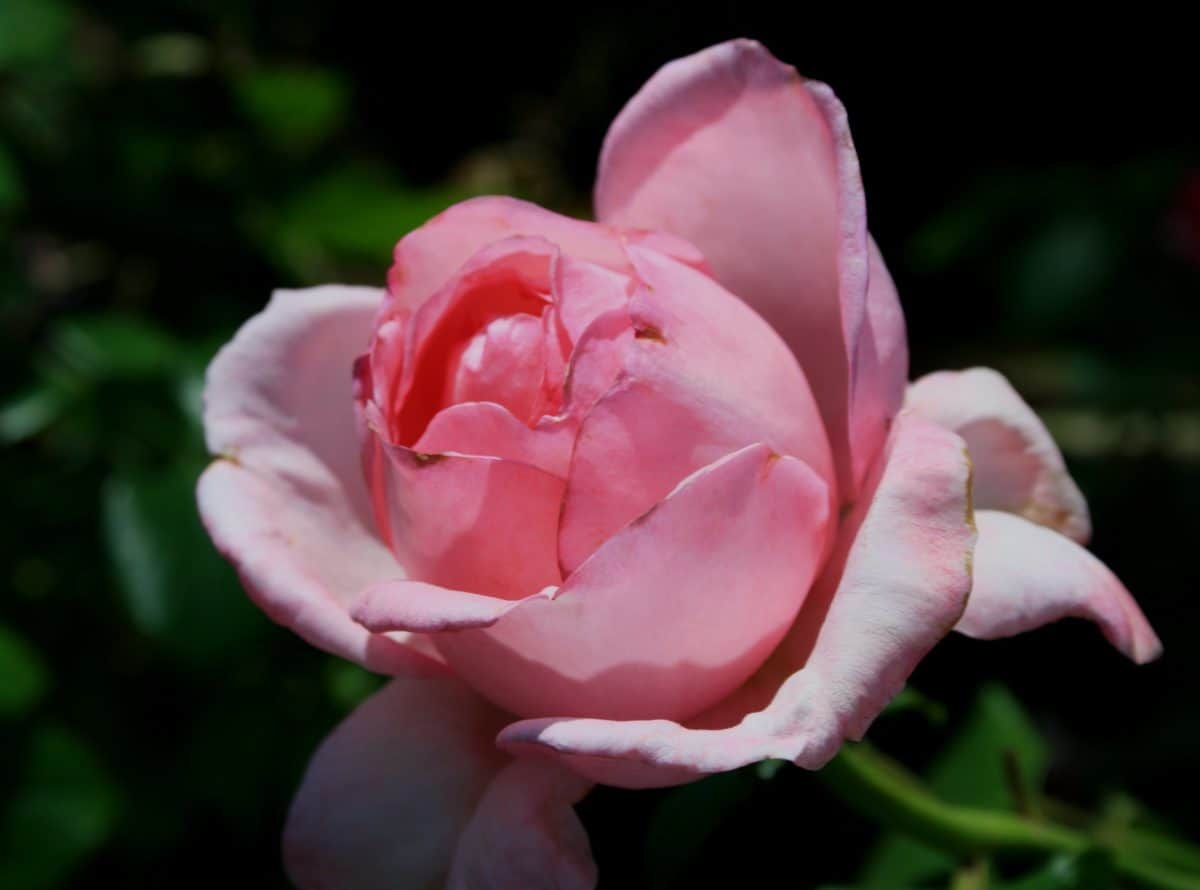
[
  {"x": 348, "y": 684},
  {"x": 177, "y": 589},
  {"x": 12, "y": 192},
  {"x": 32, "y": 31},
  {"x": 297, "y": 108},
  {"x": 350, "y": 215},
  {"x": 63, "y": 809},
  {"x": 685, "y": 819},
  {"x": 1092, "y": 870},
  {"x": 976, "y": 768},
  {"x": 110, "y": 345},
  {"x": 23, "y": 675}
]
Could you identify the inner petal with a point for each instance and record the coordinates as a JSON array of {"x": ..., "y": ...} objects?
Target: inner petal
[{"x": 504, "y": 363}]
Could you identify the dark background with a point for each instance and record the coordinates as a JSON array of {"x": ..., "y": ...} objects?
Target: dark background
[{"x": 164, "y": 165}]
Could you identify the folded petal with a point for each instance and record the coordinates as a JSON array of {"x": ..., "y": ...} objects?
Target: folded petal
[
  {"x": 524, "y": 834},
  {"x": 484, "y": 429},
  {"x": 427, "y": 257},
  {"x": 1027, "y": 575},
  {"x": 388, "y": 795},
  {"x": 478, "y": 524},
  {"x": 285, "y": 501},
  {"x": 1018, "y": 468},
  {"x": 701, "y": 377},
  {"x": 670, "y": 615},
  {"x": 897, "y": 582},
  {"x": 732, "y": 150}
]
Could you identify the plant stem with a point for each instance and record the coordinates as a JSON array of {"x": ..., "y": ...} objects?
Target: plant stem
[{"x": 881, "y": 789}]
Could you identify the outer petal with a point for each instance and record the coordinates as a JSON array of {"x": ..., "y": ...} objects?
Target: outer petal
[
  {"x": 1018, "y": 468},
  {"x": 427, "y": 257},
  {"x": 897, "y": 582},
  {"x": 1027, "y": 576},
  {"x": 524, "y": 834},
  {"x": 732, "y": 150},
  {"x": 671, "y": 614},
  {"x": 703, "y": 376},
  {"x": 286, "y": 501},
  {"x": 410, "y": 778}
]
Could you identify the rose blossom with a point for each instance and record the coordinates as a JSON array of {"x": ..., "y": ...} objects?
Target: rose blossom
[{"x": 625, "y": 502}]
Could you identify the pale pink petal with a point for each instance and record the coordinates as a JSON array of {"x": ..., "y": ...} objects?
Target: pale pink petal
[
  {"x": 415, "y": 605},
  {"x": 285, "y": 501},
  {"x": 702, "y": 376},
  {"x": 427, "y": 257},
  {"x": 668, "y": 616},
  {"x": 525, "y": 835},
  {"x": 480, "y": 524},
  {"x": 389, "y": 793},
  {"x": 484, "y": 429},
  {"x": 1027, "y": 575},
  {"x": 1018, "y": 468},
  {"x": 897, "y": 583},
  {"x": 732, "y": 150},
  {"x": 737, "y": 544}
]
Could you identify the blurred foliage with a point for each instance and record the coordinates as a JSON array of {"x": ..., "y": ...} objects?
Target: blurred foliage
[{"x": 164, "y": 166}]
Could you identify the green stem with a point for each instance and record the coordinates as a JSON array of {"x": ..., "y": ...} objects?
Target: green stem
[{"x": 880, "y": 788}]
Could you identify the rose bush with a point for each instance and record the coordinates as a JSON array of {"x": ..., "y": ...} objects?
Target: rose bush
[{"x": 625, "y": 502}]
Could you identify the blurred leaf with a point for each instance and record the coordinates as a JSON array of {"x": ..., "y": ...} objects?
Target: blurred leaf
[
  {"x": 23, "y": 675},
  {"x": 351, "y": 214},
  {"x": 177, "y": 589},
  {"x": 63, "y": 809},
  {"x": 12, "y": 193},
  {"x": 768, "y": 769},
  {"x": 348, "y": 684},
  {"x": 297, "y": 108},
  {"x": 970, "y": 770},
  {"x": 1091, "y": 870},
  {"x": 1061, "y": 269},
  {"x": 911, "y": 700},
  {"x": 32, "y": 30},
  {"x": 115, "y": 346},
  {"x": 30, "y": 413},
  {"x": 173, "y": 55},
  {"x": 685, "y": 819}
]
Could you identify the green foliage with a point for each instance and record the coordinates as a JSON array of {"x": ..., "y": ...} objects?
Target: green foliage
[
  {"x": 353, "y": 214},
  {"x": 994, "y": 749},
  {"x": 296, "y": 108},
  {"x": 177, "y": 589},
  {"x": 32, "y": 31},
  {"x": 1092, "y": 870},
  {"x": 64, "y": 808},
  {"x": 23, "y": 675}
]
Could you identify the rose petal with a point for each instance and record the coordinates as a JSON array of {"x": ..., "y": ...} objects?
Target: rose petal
[
  {"x": 285, "y": 502},
  {"x": 483, "y": 429},
  {"x": 1018, "y": 468},
  {"x": 507, "y": 278},
  {"x": 732, "y": 150},
  {"x": 388, "y": 794},
  {"x": 472, "y": 523},
  {"x": 734, "y": 547},
  {"x": 1027, "y": 575},
  {"x": 524, "y": 834},
  {"x": 427, "y": 257},
  {"x": 702, "y": 377},
  {"x": 897, "y": 582}
]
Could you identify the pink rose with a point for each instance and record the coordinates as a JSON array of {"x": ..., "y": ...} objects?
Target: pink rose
[{"x": 604, "y": 521}]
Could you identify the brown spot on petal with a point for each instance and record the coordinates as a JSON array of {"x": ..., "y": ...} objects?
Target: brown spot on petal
[
  {"x": 647, "y": 332},
  {"x": 425, "y": 460}
]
